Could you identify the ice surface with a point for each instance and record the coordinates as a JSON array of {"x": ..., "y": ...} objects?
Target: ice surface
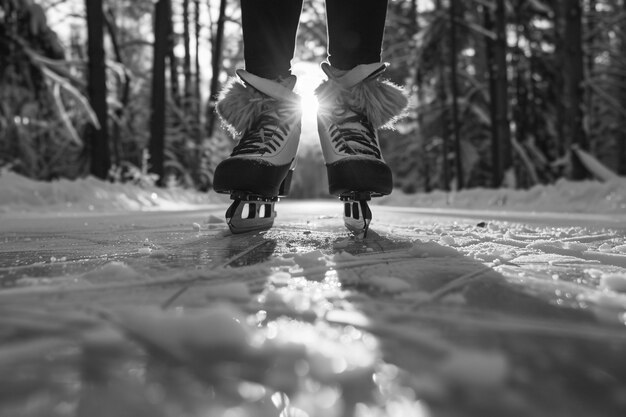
[
  {"x": 482, "y": 369},
  {"x": 229, "y": 291},
  {"x": 425, "y": 317}
]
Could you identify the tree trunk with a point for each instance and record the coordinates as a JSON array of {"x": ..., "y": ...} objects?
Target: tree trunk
[
  {"x": 455, "y": 97},
  {"x": 498, "y": 93},
  {"x": 443, "y": 99},
  {"x": 216, "y": 60},
  {"x": 198, "y": 79},
  {"x": 187, "y": 58},
  {"x": 590, "y": 56},
  {"x": 496, "y": 162},
  {"x": 574, "y": 76},
  {"x": 157, "y": 120},
  {"x": 621, "y": 137},
  {"x": 124, "y": 96},
  {"x": 532, "y": 84},
  {"x": 501, "y": 97},
  {"x": 520, "y": 115},
  {"x": 173, "y": 60},
  {"x": 97, "y": 91},
  {"x": 559, "y": 86},
  {"x": 424, "y": 163}
]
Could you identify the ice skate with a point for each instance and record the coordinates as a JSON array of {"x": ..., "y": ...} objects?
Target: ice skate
[
  {"x": 353, "y": 105},
  {"x": 265, "y": 116}
]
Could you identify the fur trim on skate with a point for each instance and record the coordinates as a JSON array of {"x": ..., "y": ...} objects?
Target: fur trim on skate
[
  {"x": 239, "y": 105},
  {"x": 382, "y": 101}
]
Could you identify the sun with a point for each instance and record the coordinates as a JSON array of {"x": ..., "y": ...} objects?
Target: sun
[
  {"x": 309, "y": 77},
  {"x": 309, "y": 104}
]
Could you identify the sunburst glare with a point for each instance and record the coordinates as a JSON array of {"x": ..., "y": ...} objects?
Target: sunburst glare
[
  {"x": 308, "y": 103},
  {"x": 309, "y": 77}
]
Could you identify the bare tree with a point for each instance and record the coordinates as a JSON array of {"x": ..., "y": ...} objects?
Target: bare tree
[
  {"x": 498, "y": 92},
  {"x": 216, "y": 62},
  {"x": 455, "y": 96},
  {"x": 98, "y": 139},
  {"x": 173, "y": 60},
  {"x": 188, "y": 89},
  {"x": 124, "y": 95},
  {"x": 573, "y": 75},
  {"x": 162, "y": 16},
  {"x": 621, "y": 138},
  {"x": 198, "y": 78}
]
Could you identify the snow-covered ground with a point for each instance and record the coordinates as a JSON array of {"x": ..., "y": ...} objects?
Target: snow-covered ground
[
  {"x": 90, "y": 195},
  {"x": 562, "y": 197},
  {"x": 19, "y": 194},
  {"x": 114, "y": 304}
]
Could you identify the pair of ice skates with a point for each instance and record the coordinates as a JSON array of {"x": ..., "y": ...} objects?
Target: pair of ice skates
[{"x": 266, "y": 117}]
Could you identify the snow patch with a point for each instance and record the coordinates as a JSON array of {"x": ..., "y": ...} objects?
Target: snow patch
[
  {"x": 447, "y": 240},
  {"x": 21, "y": 194},
  {"x": 431, "y": 249},
  {"x": 309, "y": 259},
  {"x": 620, "y": 248},
  {"x": 187, "y": 335},
  {"x": 614, "y": 282},
  {"x": 113, "y": 272},
  {"x": 561, "y": 197},
  {"x": 280, "y": 278}
]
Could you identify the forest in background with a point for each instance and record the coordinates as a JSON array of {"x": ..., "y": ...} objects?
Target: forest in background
[{"x": 502, "y": 91}]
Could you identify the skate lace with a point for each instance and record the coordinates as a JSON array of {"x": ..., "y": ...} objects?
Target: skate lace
[
  {"x": 355, "y": 135},
  {"x": 267, "y": 133}
]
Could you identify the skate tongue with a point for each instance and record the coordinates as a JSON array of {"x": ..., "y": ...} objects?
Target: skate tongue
[
  {"x": 277, "y": 90},
  {"x": 348, "y": 79}
]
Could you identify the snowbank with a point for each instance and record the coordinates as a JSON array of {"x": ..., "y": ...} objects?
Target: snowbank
[
  {"x": 562, "y": 197},
  {"x": 21, "y": 194}
]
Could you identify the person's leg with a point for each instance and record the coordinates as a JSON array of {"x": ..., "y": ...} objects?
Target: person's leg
[
  {"x": 261, "y": 111},
  {"x": 355, "y": 31},
  {"x": 353, "y": 104},
  {"x": 269, "y": 35}
]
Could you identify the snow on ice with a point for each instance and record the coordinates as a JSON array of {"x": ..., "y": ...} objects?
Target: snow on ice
[{"x": 342, "y": 329}]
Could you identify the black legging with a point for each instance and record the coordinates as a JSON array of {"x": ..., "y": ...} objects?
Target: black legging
[{"x": 355, "y": 33}]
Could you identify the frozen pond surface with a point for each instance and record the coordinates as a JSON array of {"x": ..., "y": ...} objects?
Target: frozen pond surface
[{"x": 436, "y": 313}]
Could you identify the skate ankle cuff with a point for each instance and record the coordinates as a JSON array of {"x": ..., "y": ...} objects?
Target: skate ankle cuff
[
  {"x": 244, "y": 98},
  {"x": 362, "y": 91}
]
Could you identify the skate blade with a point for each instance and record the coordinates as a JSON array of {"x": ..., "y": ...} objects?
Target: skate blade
[
  {"x": 357, "y": 216},
  {"x": 250, "y": 215}
]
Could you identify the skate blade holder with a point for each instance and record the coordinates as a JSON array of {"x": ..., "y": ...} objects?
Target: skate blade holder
[
  {"x": 250, "y": 213},
  {"x": 357, "y": 215}
]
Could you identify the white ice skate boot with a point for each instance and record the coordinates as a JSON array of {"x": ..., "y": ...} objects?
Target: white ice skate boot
[
  {"x": 353, "y": 105},
  {"x": 265, "y": 116}
]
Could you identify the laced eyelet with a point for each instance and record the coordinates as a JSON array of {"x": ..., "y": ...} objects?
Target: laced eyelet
[
  {"x": 359, "y": 139},
  {"x": 266, "y": 135}
]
